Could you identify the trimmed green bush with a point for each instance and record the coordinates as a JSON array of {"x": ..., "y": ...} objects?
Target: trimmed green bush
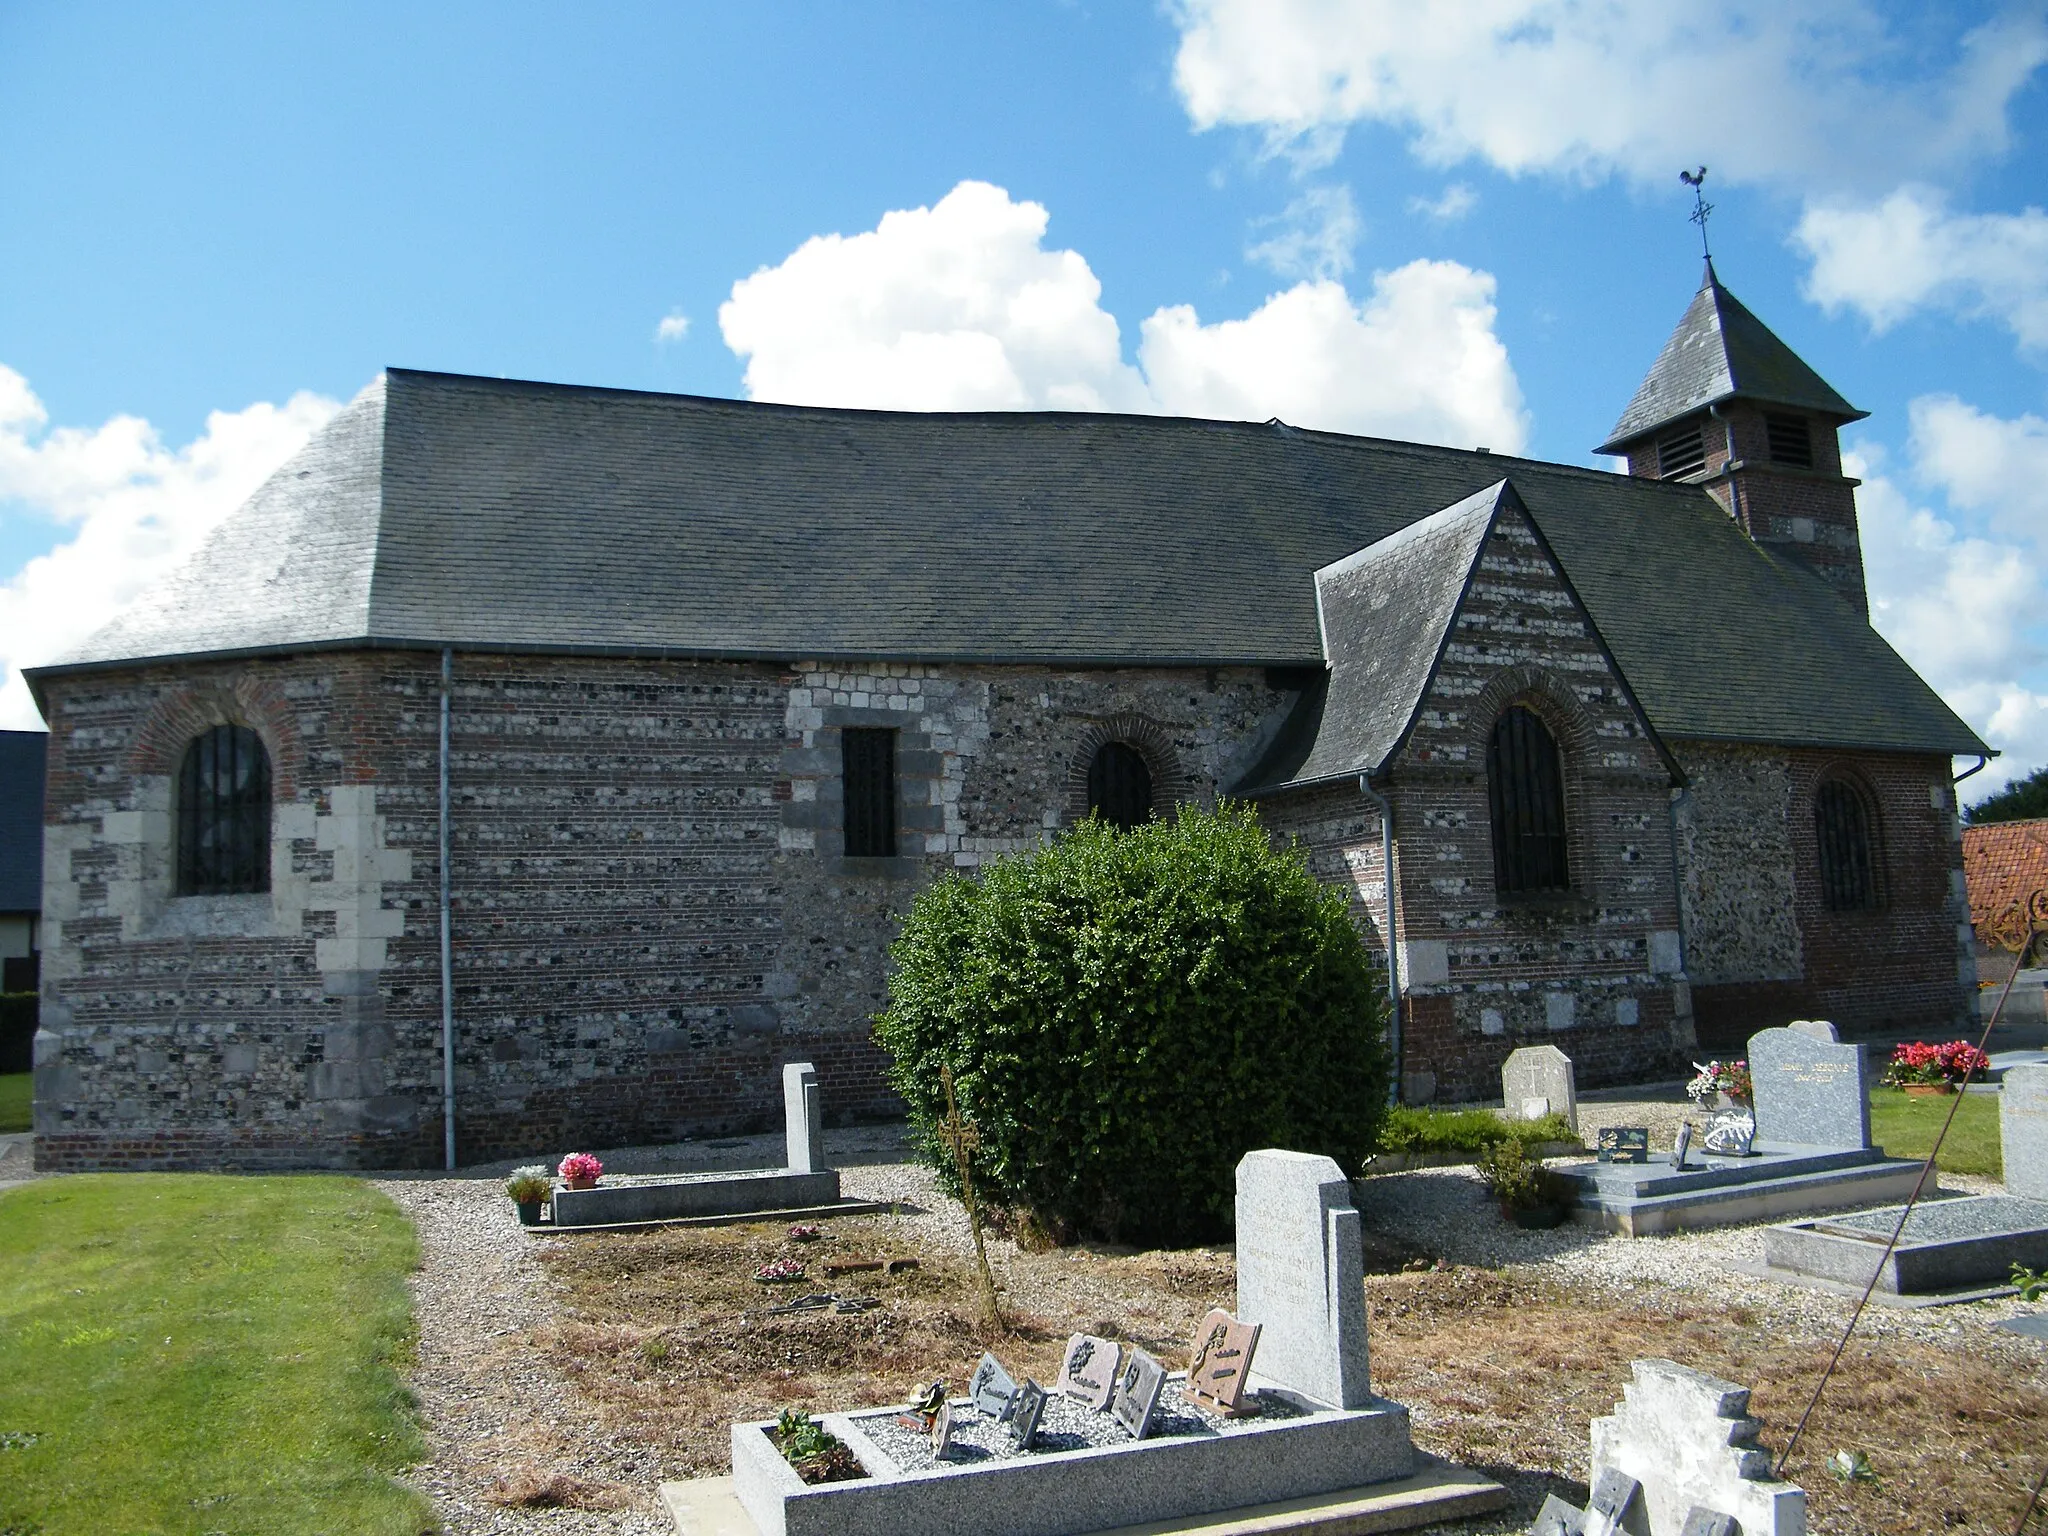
[
  {"x": 1127, "y": 1013},
  {"x": 1409, "y": 1129}
]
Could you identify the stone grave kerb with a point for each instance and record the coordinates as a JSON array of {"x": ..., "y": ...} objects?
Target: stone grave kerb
[
  {"x": 1808, "y": 1090},
  {"x": 803, "y": 1113},
  {"x": 1539, "y": 1072},
  {"x": 2023, "y": 1130},
  {"x": 1301, "y": 1275}
]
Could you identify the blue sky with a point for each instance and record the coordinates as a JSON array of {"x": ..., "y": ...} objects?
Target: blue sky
[{"x": 1456, "y": 222}]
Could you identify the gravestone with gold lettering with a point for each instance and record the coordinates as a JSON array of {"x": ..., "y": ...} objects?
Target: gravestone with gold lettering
[{"x": 1812, "y": 1092}]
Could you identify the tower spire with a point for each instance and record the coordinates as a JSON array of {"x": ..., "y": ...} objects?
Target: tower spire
[{"x": 1702, "y": 210}]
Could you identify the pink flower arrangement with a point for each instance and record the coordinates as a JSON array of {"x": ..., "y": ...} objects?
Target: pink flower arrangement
[
  {"x": 579, "y": 1166},
  {"x": 780, "y": 1272},
  {"x": 1918, "y": 1061},
  {"x": 1729, "y": 1077},
  {"x": 804, "y": 1232}
]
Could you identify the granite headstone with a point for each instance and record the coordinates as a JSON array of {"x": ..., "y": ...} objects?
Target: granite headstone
[
  {"x": 1818, "y": 1029},
  {"x": 1809, "y": 1091},
  {"x": 1536, "y": 1081},
  {"x": 1301, "y": 1276},
  {"x": 2023, "y": 1130},
  {"x": 803, "y": 1113}
]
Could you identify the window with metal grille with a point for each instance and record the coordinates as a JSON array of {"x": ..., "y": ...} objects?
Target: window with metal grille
[
  {"x": 868, "y": 763},
  {"x": 224, "y": 814},
  {"x": 1790, "y": 439},
  {"x": 1848, "y": 865},
  {"x": 1679, "y": 453},
  {"x": 1120, "y": 785},
  {"x": 1525, "y": 791}
]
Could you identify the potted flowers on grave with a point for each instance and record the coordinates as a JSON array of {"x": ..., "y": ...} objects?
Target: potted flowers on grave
[
  {"x": 1923, "y": 1069},
  {"x": 1530, "y": 1195},
  {"x": 579, "y": 1170},
  {"x": 815, "y": 1454},
  {"x": 1726, "y": 1084},
  {"x": 529, "y": 1188}
]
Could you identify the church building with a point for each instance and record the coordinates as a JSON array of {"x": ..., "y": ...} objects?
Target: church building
[{"x": 592, "y": 744}]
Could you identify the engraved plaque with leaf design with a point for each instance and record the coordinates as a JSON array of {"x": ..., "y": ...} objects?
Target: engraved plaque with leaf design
[
  {"x": 1088, "y": 1371},
  {"x": 1221, "y": 1362}
]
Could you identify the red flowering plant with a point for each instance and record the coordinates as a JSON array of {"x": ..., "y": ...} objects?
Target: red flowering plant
[
  {"x": 578, "y": 1166},
  {"x": 1729, "y": 1077},
  {"x": 1918, "y": 1061}
]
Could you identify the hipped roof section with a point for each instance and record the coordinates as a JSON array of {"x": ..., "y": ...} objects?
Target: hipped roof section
[
  {"x": 1721, "y": 351},
  {"x": 488, "y": 514}
]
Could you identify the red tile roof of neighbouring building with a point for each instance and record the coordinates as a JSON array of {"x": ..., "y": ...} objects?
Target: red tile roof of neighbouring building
[{"x": 2004, "y": 862}]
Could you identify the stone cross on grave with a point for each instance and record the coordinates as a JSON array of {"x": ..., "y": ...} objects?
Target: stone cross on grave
[{"x": 961, "y": 1137}]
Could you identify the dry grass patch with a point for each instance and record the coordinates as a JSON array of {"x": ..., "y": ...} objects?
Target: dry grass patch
[{"x": 1506, "y": 1373}]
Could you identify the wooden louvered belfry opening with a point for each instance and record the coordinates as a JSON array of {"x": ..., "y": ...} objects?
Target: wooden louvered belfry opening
[
  {"x": 224, "y": 814},
  {"x": 868, "y": 765},
  {"x": 1120, "y": 784},
  {"x": 1681, "y": 452},
  {"x": 1790, "y": 440},
  {"x": 1842, "y": 824},
  {"x": 1525, "y": 794}
]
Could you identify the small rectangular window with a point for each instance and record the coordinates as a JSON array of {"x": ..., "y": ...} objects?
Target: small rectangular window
[
  {"x": 868, "y": 762},
  {"x": 1791, "y": 442},
  {"x": 1681, "y": 453}
]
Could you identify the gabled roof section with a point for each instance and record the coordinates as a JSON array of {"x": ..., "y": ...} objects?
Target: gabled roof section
[
  {"x": 1721, "y": 351},
  {"x": 492, "y": 514},
  {"x": 22, "y": 755},
  {"x": 1386, "y": 614}
]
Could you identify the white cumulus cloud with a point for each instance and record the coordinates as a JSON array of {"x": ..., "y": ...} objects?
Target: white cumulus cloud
[
  {"x": 1963, "y": 596},
  {"x": 674, "y": 326},
  {"x": 1821, "y": 93},
  {"x": 1905, "y": 252},
  {"x": 961, "y": 306},
  {"x": 133, "y": 508}
]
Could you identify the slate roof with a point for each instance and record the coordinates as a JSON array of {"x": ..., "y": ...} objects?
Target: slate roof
[
  {"x": 1721, "y": 351},
  {"x": 496, "y": 515},
  {"x": 21, "y": 820}
]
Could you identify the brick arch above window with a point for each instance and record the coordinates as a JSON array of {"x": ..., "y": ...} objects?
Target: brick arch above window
[
  {"x": 187, "y": 710},
  {"x": 1547, "y": 696},
  {"x": 1847, "y": 839},
  {"x": 1171, "y": 782}
]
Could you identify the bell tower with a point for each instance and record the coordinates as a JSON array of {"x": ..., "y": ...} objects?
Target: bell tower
[{"x": 1730, "y": 407}]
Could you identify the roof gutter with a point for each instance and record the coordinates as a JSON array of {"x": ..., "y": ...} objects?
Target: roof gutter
[
  {"x": 1393, "y": 929},
  {"x": 1983, "y": 760}
]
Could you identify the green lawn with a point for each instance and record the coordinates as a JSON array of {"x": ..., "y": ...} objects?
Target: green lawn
[
  {"x": 188, "y": 1353},
  {"x": 1905, "y": 1127},
  {"x": 14, "y": 1100}
]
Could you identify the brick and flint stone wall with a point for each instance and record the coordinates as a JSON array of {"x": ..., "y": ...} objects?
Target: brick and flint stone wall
[
  {"x": 653, "y": 910},
  {"x": 1761, "y": 946},
  {"x": 1595, "y": 971}
]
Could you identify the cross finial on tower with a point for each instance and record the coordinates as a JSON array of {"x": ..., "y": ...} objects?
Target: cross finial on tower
[{"x": 1702, "y": 210}]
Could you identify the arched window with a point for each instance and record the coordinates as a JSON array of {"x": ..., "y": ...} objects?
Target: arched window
[
  {"x": 1120, "y": 784},
  {"x": 1848, "y": 868},
  {"x": 224, "y": 814},
  {"x": 1525, "y": 791}
]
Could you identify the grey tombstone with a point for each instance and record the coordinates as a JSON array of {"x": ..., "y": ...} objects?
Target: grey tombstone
[
  {"x": 1089, "y": 1370},
  {"x": 1301, "y": 1275},
  {"x": 993, "y": 1389},
  {"x": 1136, "y": 1397},
  {"x": 1809, "y": 1091},
  {"x": 1817, "y": 1029},
  {"x": 803, "y": 1117},
  {"x": 2023, "y": 1130},
  {"x": 1024, "y": 1417},
  {"x": 1539, "y": 1075}
]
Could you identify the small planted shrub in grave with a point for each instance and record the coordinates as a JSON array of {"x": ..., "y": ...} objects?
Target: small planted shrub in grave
[
  {"x": 1127, "y": 1013},
  {"x": 816, "y": 1455}
]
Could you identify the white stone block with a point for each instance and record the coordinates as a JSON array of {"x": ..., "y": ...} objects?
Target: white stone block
[
  {"x": 1560, "y": 1009},
  {"x": 1301, "y": 1276},
  {"x": 1667, "y": 953},
  {"x": 1492, "y": 1022},
  {"x": 1425, "y": 963},
  {"x": 1688, "y": 1439},
  {"x": 1626, "y": 1012}
]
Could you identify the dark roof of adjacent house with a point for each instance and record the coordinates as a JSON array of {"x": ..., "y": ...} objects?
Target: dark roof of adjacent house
[
  {"x": 494, "y": 515},
  {"x": 1721, "y": 351},
  {"x": 21, "y": 820}
]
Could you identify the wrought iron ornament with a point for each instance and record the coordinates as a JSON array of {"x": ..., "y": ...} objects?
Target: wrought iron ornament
[{"x": 1702, "y": 210}]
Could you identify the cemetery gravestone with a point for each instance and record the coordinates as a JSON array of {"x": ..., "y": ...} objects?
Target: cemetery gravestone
[
  {"x": 2023, "y": 1130},
  {"x": 1024, "y": 1417},
  {"x": 1818, "y": 1029},
  {"x": 1809, "y": 1091},
  {"x": 803, "y": 1112},
  {"x": 1536, "y": 1081},
  {"x": 993, "y": 1389},
  {"x": 1137, "y": 1392},
  {"x": 1220, "y": 1363},
  {"x": 1301, "y": 1275},
  {"x": 1089, "y": 1371},
  {"x": 1623, "y": 1144},
  {"x": 1687, "y": 1437}
]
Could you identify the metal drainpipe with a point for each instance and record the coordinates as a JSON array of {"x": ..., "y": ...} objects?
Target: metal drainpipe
[
  {"x": 1393, "y": 927},
  {"x": 447, "y": 951},
  {"x": 1734, "y": 485}
]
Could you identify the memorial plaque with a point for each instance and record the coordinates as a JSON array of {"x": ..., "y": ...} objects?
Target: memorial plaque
[
  {"x": 1624, "y": 1144},
  {"x": 1138, "y": 1387},
  {"x": 1707, "y": 1522},
  {"x": 993, "y": 1389},
  {"x": 1221, "y": 1362},
  {"x": 942, "y": 1432},
  {"x": 1557, "y": 1518},
  {"x": 1088, "y": 1373},
  {"x": 1681, "y": 1145},
  {"x": 1731, "y": 1133},
  {"x": 1616, "y": 1506},
  {"x": 1024, "y": 1417},
  {"x": 1808, "y": 1090}
]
